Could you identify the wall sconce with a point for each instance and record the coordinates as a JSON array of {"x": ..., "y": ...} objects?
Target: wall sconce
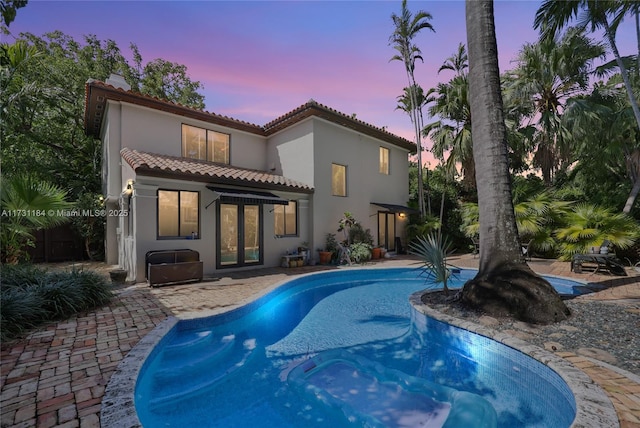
[
  {"x": 129, "y": 189},
  {"x": 402, "y": 215}
]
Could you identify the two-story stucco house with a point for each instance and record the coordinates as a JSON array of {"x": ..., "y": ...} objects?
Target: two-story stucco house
[{"x": 240, "y": 194}]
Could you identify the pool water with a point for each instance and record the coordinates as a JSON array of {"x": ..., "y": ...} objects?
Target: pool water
[{"x": 231, "y": 370}]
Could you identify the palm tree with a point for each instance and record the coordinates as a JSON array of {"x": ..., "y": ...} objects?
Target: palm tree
[
  {"x": 604, "y": 115},
  {"x": 458, "y": 62},
  {"x": 27, "y": 204},
  {"x": 553, "y": 16},
  {"x": 405, "y": 104},
  {"x": 589, "y": 226},
  {"x": 504, "y": 283},
  {"x": 548, "y": 73},
  {"x": 453, "y": 132},
  {"x": 407, "y": 27}
]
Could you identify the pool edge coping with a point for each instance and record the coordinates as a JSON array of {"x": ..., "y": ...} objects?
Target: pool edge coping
[
  {"x": 118, "y": 403},
  {"x": 594, "y": 409}
]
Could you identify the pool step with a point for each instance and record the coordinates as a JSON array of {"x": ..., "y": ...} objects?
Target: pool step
[
  {"x": 183, "y": 383},
  {"x": 191, "y": 340},
  {"x": 189, "y": 360}
]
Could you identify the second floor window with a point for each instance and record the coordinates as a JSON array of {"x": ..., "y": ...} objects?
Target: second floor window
[
  {"x": 384, "y": 160},
  {"x": 338, "y": 180},
  {"x": 286, "y": 219},
  {"x": 204, "y": 144}
]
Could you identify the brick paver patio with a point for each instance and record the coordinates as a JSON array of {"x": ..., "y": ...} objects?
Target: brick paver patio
[{"x": 56, "y": 376}]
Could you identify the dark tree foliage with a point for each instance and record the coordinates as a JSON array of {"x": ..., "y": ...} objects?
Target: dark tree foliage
[{"x": 42, "y": 85}]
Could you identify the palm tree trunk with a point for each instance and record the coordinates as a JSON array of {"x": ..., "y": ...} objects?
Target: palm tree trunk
[
  {"x": 632, "y": 99},
  {"x": 504, "y": 283},
  {"x": 623, "y": 71},
  {"x": 416, "y": 125},
  {"x": 637, "y": 15}
]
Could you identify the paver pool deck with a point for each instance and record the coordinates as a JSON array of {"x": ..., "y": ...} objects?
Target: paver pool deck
[{"x": 56, "y": 376}]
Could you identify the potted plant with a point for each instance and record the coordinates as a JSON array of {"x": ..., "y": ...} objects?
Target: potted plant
[
  {"x": 376, "y": 253},
  {"x": 330, "y": 248}
]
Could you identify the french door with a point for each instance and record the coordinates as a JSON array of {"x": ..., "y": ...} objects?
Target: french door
[
  {"x": 387, "y": 230},
  {"x": 239, "y": 237}
]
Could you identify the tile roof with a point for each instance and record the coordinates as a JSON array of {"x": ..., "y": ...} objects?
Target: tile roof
[
  {"x": 97, "y": 93},
  {"x": 150, "y": 164},
  {"x": 313, "y": 108}
]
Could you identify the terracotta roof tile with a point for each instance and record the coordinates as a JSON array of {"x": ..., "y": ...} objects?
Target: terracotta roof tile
[
  {"x": 96, "y": 94},
  {"x": 151, "y": 164}
]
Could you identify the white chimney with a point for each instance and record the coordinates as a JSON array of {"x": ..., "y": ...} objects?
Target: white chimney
[{"x": 118, "y": 81}]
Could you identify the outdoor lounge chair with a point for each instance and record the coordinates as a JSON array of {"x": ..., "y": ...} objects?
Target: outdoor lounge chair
[
  {"x": 602, "y": 260},
  {"x": 476, "y": 247},
  {"x": 525, "y": 250}
]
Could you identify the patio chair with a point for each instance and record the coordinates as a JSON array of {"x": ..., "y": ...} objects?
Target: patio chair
[
  {"x": 525, "y": 250},
  {"x": 476, "y": 247}
]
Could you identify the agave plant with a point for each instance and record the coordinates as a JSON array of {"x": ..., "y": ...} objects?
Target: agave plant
[{"x": 433, "y": 250}]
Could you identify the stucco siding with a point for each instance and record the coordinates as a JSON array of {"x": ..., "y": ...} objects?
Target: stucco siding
[
  {"x": 290, "y": 153},
  {"x": 365, "y": 184},
  {"x": 159, "y": 132}
]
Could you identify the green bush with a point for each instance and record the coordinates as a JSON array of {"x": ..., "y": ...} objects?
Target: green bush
[
  {"x": 20, "y": 276},
  {"x": 31, "y": 296},
  {"x": 359, "y": 234},
  {"x": 360, "y": 252}
]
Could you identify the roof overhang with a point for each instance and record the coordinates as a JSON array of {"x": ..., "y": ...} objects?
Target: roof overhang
[
  {"x": 246, "y": 196},
  {"x": 396, "y": 208}
]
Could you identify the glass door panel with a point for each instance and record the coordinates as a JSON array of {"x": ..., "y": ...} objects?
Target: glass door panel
[
  {"x": 251, "y": 234},
  {"x": 391, "y": 231},
  {"x": 382, "y": 230},
  {"x": 228, "y": 234},
  {"x": 387, "y": 230}
]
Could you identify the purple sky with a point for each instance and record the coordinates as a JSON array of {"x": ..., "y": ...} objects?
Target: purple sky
[{"x": 260, "y": 59}]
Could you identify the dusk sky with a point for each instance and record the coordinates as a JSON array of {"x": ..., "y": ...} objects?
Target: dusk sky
[{"x": 260, "y": 59}]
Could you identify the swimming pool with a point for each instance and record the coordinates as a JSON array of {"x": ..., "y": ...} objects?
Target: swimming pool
[{"x": 231, "y": 369}]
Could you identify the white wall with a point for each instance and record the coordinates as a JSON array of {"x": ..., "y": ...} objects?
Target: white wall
[
  {"x": 360, "y": 153},
  {"x": 290, "y": 152},
  {"x": 159, "y": 132},
  {"x": 146, "y": 225}
]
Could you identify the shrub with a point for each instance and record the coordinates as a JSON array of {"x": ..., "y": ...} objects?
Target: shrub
[
  {"x": 20, "y": 311},
  {"x": 358, "y": 234},
  {"x": 31, "y": 296},
  {"x": 360, "y": 252},
  {"x": 23, "y": 275}
]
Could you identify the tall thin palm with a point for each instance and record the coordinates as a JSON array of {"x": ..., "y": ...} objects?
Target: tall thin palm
[
  {"x": 554, "y": 15},
  {"x": 407, "y": 27},
  {"x": 547, "y": 74}
]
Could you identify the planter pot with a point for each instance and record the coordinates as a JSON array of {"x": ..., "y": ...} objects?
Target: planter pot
[
  {"x": 293, "y": 263},
  {"x": 300, "y": 263},
  {"x": 375, "y": 253},
  {"x": 325, "y": 257},
  {"x": 118, "y": 276}
]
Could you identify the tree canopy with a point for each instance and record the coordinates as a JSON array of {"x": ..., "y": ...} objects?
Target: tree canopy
[{"x": 42, "y": 90}]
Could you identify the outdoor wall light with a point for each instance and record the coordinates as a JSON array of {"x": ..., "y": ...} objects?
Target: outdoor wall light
[
  {"x": 129, "y": 189},
  {"x": 401, "y": 215}
]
